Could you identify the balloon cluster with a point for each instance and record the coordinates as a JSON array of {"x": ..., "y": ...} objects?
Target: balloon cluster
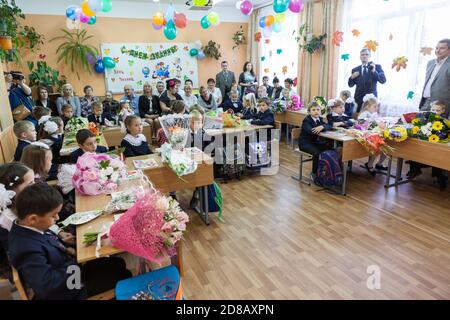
[
  {"x": 100, "y": 64},
  {"x": 272, "y": 23},
  {"x": 280, "y": 6},
  {"x": 196, "y": 51},
  {"x": 89, "y": 8},
  {"x": 171, "y": 21},
  {"x": 211, "y": 18}
]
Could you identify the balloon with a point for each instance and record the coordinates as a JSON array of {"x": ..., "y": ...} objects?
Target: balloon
[
  {"x": 262, "y": 22},
  {"x": 267, "y": 32},
  {"x": 200, "y": 3},
  {"x": 169, "y": 13},
  {"x": 107, "y": 6},
  {"x": 92, "y": 20},
  {"x": 201, "y": 55},
  {"x": 269, "y": 20},
  {"x": 296, "y": 5},
  {"x": 193, "y": 52},
  {"x": 109, "y": 62},
  {"x": 71, "y": 12},
  {"x": 280, "y": 17},
  {"x": 99, "y": 67},
  {"x": 238, "y": 5},
  {"x": 213, "y": 18},
  {"x": 170, "y": 31},
  {"x": 180, "y": 20},
  {"x": 156, "y": 27},
  {"x": 164, "y": 22},
  {"x": 277, "y": 27},
  {"x": 198, "y": 44},
  {"x": 158, "y": 19},
  {"x": 205, "y": 23},
  {"x": 246, "y": 7},
  {"x": 84, "y": 18},
  {"x": 86, "y": 10},
  {"x": 91, "y": 59},
  {"x": 95, "y": 5},
  {"x": 280, "y": 6}
]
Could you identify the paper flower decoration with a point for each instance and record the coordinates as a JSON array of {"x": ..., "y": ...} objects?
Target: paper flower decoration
[
  {"x": 266, "y": 70},
  {"x": 426, "y": 51},
  {"x": 371, "y": 45},
  {"x": 399, "y": 62},
  {"x": 258, "y": 36},
  {"x": 338, "y": 37},
  {"x": 263, "y": 58},
  {"x": 410, "y": 95},
  {"x": 295, "y": 81},
  {"x": 279, "y": 51},
  {"x": 345, "y": 56},
  {"x": 284, "y": 70},
  {"x": 267, "y": 41},
  {"x": 356, "y": 32}
]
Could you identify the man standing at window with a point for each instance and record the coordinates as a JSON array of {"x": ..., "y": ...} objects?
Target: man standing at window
[
  {"x": 224, "y": 79},
  {"x": 365, "y": 77},
  {"x": 437, "y": 81}
]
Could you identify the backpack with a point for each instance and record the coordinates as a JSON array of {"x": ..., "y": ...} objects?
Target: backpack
[
  {"x": 233, "y": 163},
  {"x": 258, "y": 155},
  {"x": 329, "y": 171}
]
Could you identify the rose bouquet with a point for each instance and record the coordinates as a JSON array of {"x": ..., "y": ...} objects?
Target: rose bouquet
[
  {"x": 433, "y": 129},
  {"x": 295, "y": 104},
  {"x": 74, "y": 124},
  {"x": 98, "y": 173},
  {"x": 373, "y": 141}
]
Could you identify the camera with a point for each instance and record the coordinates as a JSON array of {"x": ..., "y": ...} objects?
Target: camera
[
  {"x": 371, "y": 66},
  {"x": 18, "y": 76}
]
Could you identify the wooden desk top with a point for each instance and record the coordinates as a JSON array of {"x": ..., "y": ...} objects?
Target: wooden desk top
[
  {"x": 251, "y": 127},
  {"x": 68, "y": 148},
  {"x": 336, "y": 135}
]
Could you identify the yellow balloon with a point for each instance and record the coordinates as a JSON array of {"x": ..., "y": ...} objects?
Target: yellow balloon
[
  {"x": 86, "y": 10},
  {"x": 280, "y": 17}
]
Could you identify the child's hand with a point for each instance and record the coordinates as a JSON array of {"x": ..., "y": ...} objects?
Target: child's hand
[
  {"x": 338, "y": 124},
  {"x": 318, "y": 129},
  {"x": 67, "y": 237}
]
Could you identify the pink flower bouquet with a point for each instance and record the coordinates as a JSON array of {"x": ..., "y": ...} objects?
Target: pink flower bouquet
[
  {"x": 151, "y": 228},
  {"x": 98, "y": 173},
  {"x": 295, "y": 104}
]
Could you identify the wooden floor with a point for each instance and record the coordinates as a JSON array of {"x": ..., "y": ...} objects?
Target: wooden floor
[{"x": 285, "y": 240}]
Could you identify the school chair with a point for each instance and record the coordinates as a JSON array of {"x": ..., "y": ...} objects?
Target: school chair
[
  {"x": 19, "y": 286},
  {"x": 8, "y": 142},
  {"x": 304, "y": 157},
  {"x": 295, "y": 135}
]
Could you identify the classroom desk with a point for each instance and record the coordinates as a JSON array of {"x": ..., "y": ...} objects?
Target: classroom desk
[
  {"x": 66, "y": 150},
  {"x": 114, "y": 135},
  {"x": 291, "y": 118},
  {"x": 84, "y": 253},
  {"x": 164, "y": 179}
]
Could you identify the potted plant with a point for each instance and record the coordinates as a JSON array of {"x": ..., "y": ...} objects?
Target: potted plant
[
  {"x": 211, "y": 50},
  {"x": 41, "y": 74},
  {"x": 238, "y": 37},
  {"x": 309, "y": 42},
  {"x": 74, "y": 50}
]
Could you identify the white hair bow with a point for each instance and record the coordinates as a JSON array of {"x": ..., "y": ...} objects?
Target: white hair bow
[
  {"x": 331, "y": 102},
  {"x": 40, "y": 144},
  {"x": 6, "y": 197},
  {"x": 44, "y": 119},
  {"x": 51, "y": 127},
  {"x": 369, "y": 96}
]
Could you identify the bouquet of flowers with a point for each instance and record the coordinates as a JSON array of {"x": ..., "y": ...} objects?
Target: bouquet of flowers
[
  {"x": 230, "y": 120},
  {"x": 176, "y": 128},
  {"x": 396, "y": 133},
  {"x": 98, "y": 173},
  {"x": 74, "y": 124},
  {"x": 322, "y": 102},
  {"x": 151, "y": 228},
  {"x": 295, "y": 104},
  {"x": 372, "y": 141},
  {"x": 433, "y": 129},
  {"x": 279, "y": 106},
  {"x": 178, "y": 160}
]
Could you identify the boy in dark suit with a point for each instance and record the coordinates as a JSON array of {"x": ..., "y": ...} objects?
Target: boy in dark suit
[
  {"x": 98, "y": 116},
  {"x": 266, "y": 84},
  {"x": 338, "y": 118},
  {"x": 67, "y": 113},
  {"x": 25, "y": 131},
  {"x": 233, "y": 103},
  {"x": 309, "y": 137},
  {"x": 265, "y": 114},
  {"x": 87, "y": 143}
]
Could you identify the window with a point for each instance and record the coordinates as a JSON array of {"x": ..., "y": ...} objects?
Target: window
[
  {"x": 279, "y": 57},
  {"x": 401, "y": 28}
]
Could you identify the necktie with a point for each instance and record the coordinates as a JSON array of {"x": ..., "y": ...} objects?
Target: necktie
[
  {"x": 226, "y": 76},
  {"x": 364, "y": 70}
]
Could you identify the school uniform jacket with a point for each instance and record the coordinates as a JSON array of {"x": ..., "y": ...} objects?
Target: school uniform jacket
[
  {"x": 19, "y": 149},
  {"x": 235, "y": 106},
  {"x": 100, "y": 120},
  {"x": 264, "y": 118},
  {"x": 42, "y": 261},
  {"x": 332, "y": 118},
  {"x": 79, "y": 152},
  {"x": 307, "y": 137}
]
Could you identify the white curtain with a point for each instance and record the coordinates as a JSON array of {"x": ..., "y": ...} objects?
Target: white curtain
[{"x": 401, "y": 28}]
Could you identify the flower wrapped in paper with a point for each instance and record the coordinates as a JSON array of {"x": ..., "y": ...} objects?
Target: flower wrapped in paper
[
  {"x": 295, "y": 104},
  {"x": 230, "y": 120},
  {"x": 372, "y": 141},
  {"x": 176, "y": 128},
  {"x": 74, "y": 124},
  {"x": 98, "y": 173},
  {"x": 397, "y": 133},
  {"x": 179, "y": 161}
]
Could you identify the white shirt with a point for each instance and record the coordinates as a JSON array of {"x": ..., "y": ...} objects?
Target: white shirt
[
  {"x": 30, "y": 228},
  {"x": 217, "y": 94},
  {"x": 437, "y": 67},
  {"x": 190, "y": 101},
  {"x": 366, "y": 115}
]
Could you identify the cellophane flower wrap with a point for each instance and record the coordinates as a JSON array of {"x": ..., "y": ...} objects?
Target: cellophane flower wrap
[
  {"x": 74, "y": 124},
  {"x": 295, "y": 104},
  {"x": 151, "y": 228},
  {"x": 176, "y": 128},
  {"x": 432, "y": 128},
  {"x": 396, "y": 133},
  {"x": 98, "y": 173},
  {"x": 178, "y": 160},
  {"x": 373, "y": 140}
]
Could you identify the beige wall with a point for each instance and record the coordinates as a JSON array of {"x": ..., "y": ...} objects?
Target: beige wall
[
  {"x": 5, "y": 110},
  {"x": 136, "y": 30}
]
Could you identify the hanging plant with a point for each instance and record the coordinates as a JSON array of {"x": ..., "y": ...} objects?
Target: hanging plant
[
  {"x": 309, "y": 42},
  {"x": 211, "y": 50},
  {"x": 74, "y": 50},
  {"x": 238, "y": 37}
]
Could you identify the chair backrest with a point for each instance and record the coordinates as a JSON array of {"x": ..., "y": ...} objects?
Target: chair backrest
[
  {"x": 18, "y": 283},
  {"x": 296, "y": 133},
  {"x": 8, "y": 143}
]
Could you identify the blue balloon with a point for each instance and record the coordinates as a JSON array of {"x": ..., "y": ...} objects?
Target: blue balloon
[
  {"x": 71, "y": 12},
  {"x": 201, "y": 55},
  {"x": 262, "y": 22},
  {"x": 99, "y": 66}
]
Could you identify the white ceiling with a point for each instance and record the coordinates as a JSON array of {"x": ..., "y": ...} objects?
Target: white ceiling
[{"x": 221, "y": 3}]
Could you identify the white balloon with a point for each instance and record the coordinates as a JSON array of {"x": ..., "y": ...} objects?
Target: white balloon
[
  {"x": 238, "y": 4},
  {"x": 95, "y": 5},
  {"x": 198, "y": 44}
]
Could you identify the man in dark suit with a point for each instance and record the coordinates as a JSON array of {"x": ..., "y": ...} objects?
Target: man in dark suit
[
  {"x": 266, "y": 84},
  {"x": 224, "y": 79},
  {"x": 437, "y": 81},
  {"x": 366, "y": 77}
]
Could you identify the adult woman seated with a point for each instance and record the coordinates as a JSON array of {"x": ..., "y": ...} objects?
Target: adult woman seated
[
  {"x": 149, "y": 108},
  {"x": 87, "y": 100},
  {"x": 110, "y": 105},
  {"x": 171, "y": 94},
  {"x": 43, "y": 101},
  {"x": 67, "y": 97},
  {"x": 206, "y": 100}
]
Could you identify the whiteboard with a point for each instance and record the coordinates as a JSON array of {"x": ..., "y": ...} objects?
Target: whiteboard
[{"x": 137, "y": 63}]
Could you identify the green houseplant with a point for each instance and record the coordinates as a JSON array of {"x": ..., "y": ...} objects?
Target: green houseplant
[
  {"x": 41, "y": 74},
  {"x": 309, "y": 42},
  {"x": 211, "y": 50},
  {"x": 238, "y": 37},
  {"x": 74, "y": 50}
]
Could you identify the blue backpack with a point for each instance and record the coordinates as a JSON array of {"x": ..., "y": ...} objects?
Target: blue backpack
[{"x": 329, "y": 171}]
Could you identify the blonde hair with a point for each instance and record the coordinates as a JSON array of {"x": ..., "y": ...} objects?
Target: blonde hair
[
  {"x": 336, "y": 103},
  {"x": 196, "y": 109},
  {"x": 97, "y": 105},
  {"x": 33, "y": 156},
  {"x": 250, "y": 97},
  {"x": 66, "y": 86},
  {"x": 21, "y": 127},
  {"x": 368, "y": 103},
  {"x": 313, "y": 104}
]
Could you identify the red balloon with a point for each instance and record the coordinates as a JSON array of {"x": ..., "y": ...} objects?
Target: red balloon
[
  {"x": 180, "y": 20},
  {"x": 165, "y": 21}
]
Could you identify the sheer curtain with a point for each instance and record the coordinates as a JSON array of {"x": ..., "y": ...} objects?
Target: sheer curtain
[{"x": 401, "y": 28}]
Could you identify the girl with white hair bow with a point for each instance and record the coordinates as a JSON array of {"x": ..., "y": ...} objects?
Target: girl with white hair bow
[{"x": 50, "y": 130}]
